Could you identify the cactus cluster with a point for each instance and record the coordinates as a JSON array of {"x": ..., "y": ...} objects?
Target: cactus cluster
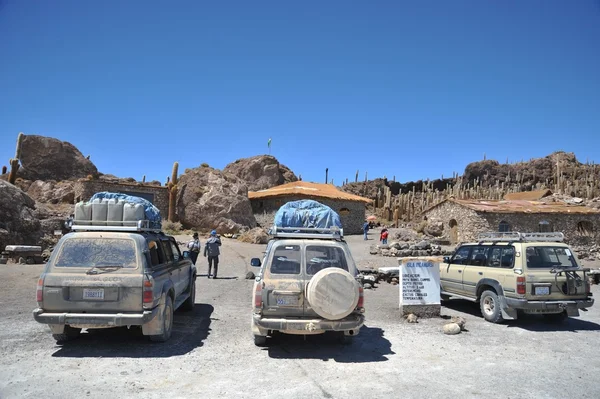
[{"x": 14, "y": 162}]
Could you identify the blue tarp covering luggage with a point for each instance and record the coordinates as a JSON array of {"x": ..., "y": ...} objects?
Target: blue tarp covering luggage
[
  {"x": 307, "y": 213},
  {"x": 152, "y": 212}
]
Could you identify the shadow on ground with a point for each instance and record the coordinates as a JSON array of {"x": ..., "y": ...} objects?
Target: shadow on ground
[
  {"x": 369, "y": 346},
  {"x": 190, "y": 329},
  {"x": 528, "y": 322}
]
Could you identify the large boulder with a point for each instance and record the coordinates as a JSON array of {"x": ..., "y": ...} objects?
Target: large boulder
[
  {"x": 255, "y": 236},
  {"x": 261, "y": 172},
  {"x": 19, "y": 224},
  {"x": 208, "y": 198},
  {"x": 46, "y": 158}
]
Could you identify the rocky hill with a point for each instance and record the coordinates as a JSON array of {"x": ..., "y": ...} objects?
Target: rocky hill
[{"x": 261, "y": 172}]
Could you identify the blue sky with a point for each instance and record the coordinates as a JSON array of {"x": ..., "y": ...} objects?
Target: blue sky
[{"x": 412, "y": 89}]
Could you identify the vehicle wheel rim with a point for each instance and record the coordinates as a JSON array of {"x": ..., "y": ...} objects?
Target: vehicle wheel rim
[{"x": 489, "y": 305}]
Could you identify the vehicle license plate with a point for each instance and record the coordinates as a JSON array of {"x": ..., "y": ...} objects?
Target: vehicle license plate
[
  {"x": 93, "y": 294},
  {"x": 287, "y": 300},
  {"x": 542, "y": 290}
]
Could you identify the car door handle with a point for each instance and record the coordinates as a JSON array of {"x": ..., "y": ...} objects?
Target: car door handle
[
  {"x": 460, "y": 271},
  {"x": 480, "y": 273}
]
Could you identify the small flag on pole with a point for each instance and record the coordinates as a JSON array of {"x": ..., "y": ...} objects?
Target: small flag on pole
[{"x": 269, "y": 145}]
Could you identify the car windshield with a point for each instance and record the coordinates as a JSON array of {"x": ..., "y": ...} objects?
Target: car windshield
[
  {"x": 549, "y": 257},
  {"x": 319, "y": 257},
  {"x": 97, "y": 252}
]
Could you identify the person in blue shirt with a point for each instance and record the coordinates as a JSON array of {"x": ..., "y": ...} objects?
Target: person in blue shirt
[
  {"x": 366, "y": 229},
  {"x": 211, "y": 249}
]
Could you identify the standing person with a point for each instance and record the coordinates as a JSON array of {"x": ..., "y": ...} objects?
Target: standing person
[
  {"x": 384, "y": 235},
  {"x": 366, "y": 228},
  {"x": 212, "y": 250},
  {"x": 194, "y": 247}
]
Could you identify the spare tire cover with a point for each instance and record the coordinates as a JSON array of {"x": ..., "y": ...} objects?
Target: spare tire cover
[{"x": 332, "y": 293}]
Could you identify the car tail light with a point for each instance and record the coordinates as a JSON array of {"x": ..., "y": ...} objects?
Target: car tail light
[
  {"x": 258, "y": 296},
  {"x": 521, "y": 286},
  {"x": 148, "y": 290},
  {"x": 361, "y": 298},
  {"x": 39, "y": 293}
]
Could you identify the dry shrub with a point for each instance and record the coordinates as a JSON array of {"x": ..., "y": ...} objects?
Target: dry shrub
[
  {"x": 421, "y": 227},
  {"x": 171, "y": 228}
]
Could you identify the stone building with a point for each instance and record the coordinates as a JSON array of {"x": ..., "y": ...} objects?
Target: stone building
[
  {"x": 158, "y": 195},
  {"x": 350, "y": 207},
  {"x": 463, "y": 220}
]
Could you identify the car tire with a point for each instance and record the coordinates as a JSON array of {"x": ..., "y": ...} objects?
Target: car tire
[
  {"x": 260, "y": 340},
  {"x": 556, "y": 318},
  {"x": 167, "y": 322},
  {"x": 189, "y": 303},
  {"x": 69, "y": 334},
  {"x": 490, "y": 307}
]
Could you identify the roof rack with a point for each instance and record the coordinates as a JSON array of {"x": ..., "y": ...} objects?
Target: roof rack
[
  {"x": 516, "y": 236},
  {"x": 123, "y": 226},
  {"x": 334, "y": 233}
]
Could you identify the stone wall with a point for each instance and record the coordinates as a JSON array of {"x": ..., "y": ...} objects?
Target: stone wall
[
  {"x": 470, "y": 223},
  {"x": 352, "y": 213},
  {"x": 158, "y": 195}
]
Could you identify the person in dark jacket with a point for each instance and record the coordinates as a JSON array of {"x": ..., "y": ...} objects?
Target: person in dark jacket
[
  {"x": 366, "y": 229},
  {"x": 211, "y": 249}
]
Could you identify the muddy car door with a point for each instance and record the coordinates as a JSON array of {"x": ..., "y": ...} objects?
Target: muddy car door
[
  {"x": 283, "y": 281},
  {"x": 99, "y": 272},
  {"x": 451, "y": 274},
  {"x": 183, "y": 265}
]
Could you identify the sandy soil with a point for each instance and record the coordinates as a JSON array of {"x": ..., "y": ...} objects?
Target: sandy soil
[{"x": 211, "y": 353}]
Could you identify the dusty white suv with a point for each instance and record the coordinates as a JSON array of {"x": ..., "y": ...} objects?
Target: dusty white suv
[{"x": 307, "y": 284}]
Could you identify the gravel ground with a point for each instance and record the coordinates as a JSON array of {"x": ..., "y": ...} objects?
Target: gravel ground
[{"x": 211, "y": 353}]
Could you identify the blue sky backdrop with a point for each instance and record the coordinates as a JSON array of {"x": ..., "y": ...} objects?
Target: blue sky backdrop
[{"x": 412, "y": 89}]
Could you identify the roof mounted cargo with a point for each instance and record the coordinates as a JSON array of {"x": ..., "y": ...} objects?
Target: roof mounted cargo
[
  {"x": 332, "y": 233},
  {"x": 122, "y": 226},
  {"x": 527, "y": 237}
]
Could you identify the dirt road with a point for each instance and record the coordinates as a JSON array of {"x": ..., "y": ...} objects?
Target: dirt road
[{"x": 211, "y": 353}]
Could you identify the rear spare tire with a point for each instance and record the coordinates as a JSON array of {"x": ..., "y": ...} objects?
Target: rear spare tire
[{"x": 333, "y": 293}]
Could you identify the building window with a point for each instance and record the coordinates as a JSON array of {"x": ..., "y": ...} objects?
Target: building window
[
  {"x": 545, "y": 227},
  {"x": 503, "y": 227},
  {"x": 344, "y": 211},
  {"x": 452, "y": 223},
  {"x": 585, "y": 228}
]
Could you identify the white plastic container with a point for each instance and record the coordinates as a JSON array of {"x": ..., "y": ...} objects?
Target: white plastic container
[
  {"x": 83, "y": 211},
  {"x": 133, "y": 212},
  {"x": 99, "y": 212},
  {"x": 115, "y": 212}
]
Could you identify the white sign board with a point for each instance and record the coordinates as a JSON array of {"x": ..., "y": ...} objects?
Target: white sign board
[{"x": 419, "y": 283}]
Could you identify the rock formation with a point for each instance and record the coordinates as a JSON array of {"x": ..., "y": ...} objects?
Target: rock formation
[
  {"x": 261, "y": 172},
  {"x": 19, "y": 223},
  {"x": 208, "y": 198}
]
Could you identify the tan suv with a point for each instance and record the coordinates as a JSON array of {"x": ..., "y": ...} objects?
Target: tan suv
[
  {"x": 129, "y": 276},
  {"x": 308, "y": 284},
  {"x": 511, "y": 272}
]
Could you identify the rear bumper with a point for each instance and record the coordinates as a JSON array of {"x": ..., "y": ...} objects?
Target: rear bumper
[
  {"x": 100, "y": 319},
  {"x": 572, "y": 307},
  {"x": 352, "y": 322}
]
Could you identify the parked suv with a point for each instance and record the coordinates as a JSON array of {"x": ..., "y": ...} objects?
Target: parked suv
[
  {"x": 103, "y": 279},
  {"x": 511, "y": 272},
  {"x": 307, "y": 284}
]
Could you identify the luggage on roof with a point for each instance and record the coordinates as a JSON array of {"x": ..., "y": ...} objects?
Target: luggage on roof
[{"x": 307, "y": 213}]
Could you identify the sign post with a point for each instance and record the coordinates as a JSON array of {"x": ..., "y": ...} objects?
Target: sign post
[{"x": 420, "y": 286}]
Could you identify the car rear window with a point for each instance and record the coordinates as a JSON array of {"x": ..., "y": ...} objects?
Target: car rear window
[
  {"x": 88, "y": 252},
  {"x": 286, "y": 260},
  {"x": 549, "y": 257},
  {"x": 319, "y": 257}
]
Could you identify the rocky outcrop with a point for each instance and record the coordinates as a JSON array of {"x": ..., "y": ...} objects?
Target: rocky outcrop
[
  {"x": 208, "y": 198},
  {"x": 261, "y": 172},
  {"x": 52, "y": 192},
  {"x": 19, "y": 223},
  {"x": 254, "y": 236},
  {"x": 46, "y": 158}
]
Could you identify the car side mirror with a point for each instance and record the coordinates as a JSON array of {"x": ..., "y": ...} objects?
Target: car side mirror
[
  {"x": 186, "y": 255},
  {"x": 255, "y": 262},
  {"x": 446, "y": 259}
]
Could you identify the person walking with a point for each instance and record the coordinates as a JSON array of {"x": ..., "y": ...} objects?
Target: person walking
[
  {"x": 384, "y": 236},
  {"x": 366, "y": 228},
  {"x": 194, "y": 247},
  {"x": 212, "y": 250}
]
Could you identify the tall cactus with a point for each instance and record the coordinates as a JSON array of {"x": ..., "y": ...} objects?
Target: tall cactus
[
  {"x": 172, "y": 186},
  {"x": 4, "y": 169},
  {"x": 14, "y": 162}
]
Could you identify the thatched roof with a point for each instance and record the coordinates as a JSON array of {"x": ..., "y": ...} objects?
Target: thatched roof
[
  {"x": 308, "y": 190},
  {"x": 520, "y": 206},
  {"x": 528, "y": 195}
]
